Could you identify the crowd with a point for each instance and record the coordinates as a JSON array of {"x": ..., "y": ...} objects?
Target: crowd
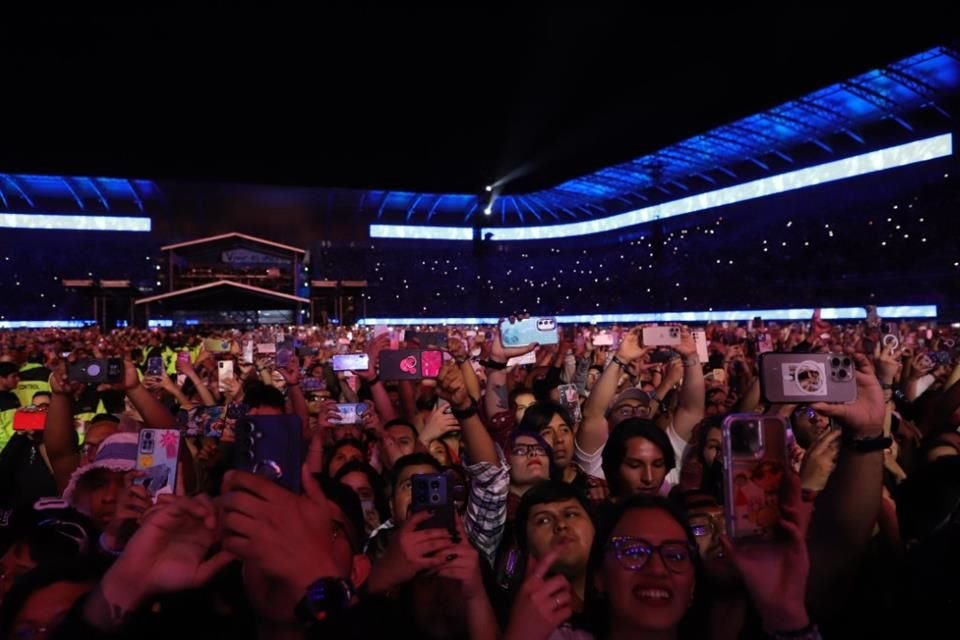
[{"x": 581, "y": 492}]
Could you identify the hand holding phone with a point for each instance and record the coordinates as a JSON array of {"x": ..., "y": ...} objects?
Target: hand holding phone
[{"x": 431, "y": 492}]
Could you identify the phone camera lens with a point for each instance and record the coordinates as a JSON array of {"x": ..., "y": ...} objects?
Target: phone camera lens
[
  {"x": 745, "y": 437},
  {"x": 846, "y": 362},
  {"x": 434, "y": 498},
  {"x": 842, "y": 373},
  {"x": 835, "y": 362},
  {"x": 435, "y": 484}
]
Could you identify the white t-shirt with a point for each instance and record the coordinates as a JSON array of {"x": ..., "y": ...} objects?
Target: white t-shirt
[{"x": 591, "y": 463}]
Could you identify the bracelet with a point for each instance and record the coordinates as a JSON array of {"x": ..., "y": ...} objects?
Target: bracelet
[
  {"x": 885, "y": 386},
  {"x": 493, "y": 364},
  {"x": 463, "y": 414},
  {"x": 374, "y": 380},
  {"x": 867, "y": 445},
  {"x": 617, "y": 361},
  {"x": 692, "y": 361}
]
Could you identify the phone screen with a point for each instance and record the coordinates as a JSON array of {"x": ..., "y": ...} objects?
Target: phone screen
[{"x": 351, "y": 362}]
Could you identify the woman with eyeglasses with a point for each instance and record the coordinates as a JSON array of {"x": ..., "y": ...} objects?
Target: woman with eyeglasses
[{"x": 647, "y": 576}]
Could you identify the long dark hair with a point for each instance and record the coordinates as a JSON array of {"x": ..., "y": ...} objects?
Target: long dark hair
[
  {"x": 598, "y": 607},
  {"x": 376, "y": 483}
]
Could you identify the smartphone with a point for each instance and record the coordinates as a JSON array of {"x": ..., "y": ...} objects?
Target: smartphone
[
  {"x": 309, "y": 383},
  {"x": 891, "y": 340},
  {"x": 224, "y": 373},
  {"x": 154, "y": 367},
  {"x": 204, "y": 421},
  {"x": 350, "y": 413},
  {"x": 184, "y": 357},
  {"x": 431, "y": 362},
  {"x": 528, "y": 331},
  {"x": 661, "y": 336},
  {"x": 410, "y": 364},
  {"x": 603, "y": 339},
  {"x": 157, "y": 454},
  {"x": 248, "y": 351},
  {"x": 425, "y": 339},
  {"x": 755, "y": 464},
  {"x": 807, "y": 377},
  {"x": 266, "y": 348},
  {"x": 102, "y": 370},
  {"x": 29, "y": 419},
  {"x": 570, "y": 398},
  {"x": 431, "y": 492},
  {"x": 284, "y": 353},
  {"x": 270, "y": 446},
  {"x": 527, "y": 358},
  {"x": 351, "y": 362},
  {"x": 216, "y": 345},
  {"x": 307, "y": 352},
  {"x": 700, "y": 338}
]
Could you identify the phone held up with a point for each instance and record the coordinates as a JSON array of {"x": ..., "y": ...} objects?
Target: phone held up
[{"x": 755, "y": 464}]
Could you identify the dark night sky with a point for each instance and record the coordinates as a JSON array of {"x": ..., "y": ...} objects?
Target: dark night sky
[{"x": 415, "y": 99}]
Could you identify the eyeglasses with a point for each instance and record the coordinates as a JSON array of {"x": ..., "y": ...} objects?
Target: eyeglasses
[
  {"x": 626, "y": 411},
  {"x": 711, "y": 526},
  {"x": 633, "y": 553},
  {"x": 528, "y": 450}
]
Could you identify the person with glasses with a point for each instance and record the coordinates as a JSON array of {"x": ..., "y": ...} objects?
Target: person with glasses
[{"x": 647, "y": 571}]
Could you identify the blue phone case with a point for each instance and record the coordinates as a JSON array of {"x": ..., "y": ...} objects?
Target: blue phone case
[{"x": 528, "y": 331}]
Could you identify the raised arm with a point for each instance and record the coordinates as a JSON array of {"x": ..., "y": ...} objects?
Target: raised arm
[
  {"x": 593, "y": 431},
  {"x": 690, "y": 411},
  {"x": 848, "y": 508},
  {"x": 59, "y": 436},
  {"x": 154, "y": 414},
  {"x": 377, "y": 391},
  {"x": 497, "y": 396}
]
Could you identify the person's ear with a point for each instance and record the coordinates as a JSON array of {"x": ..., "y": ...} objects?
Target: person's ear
[{"x": 360, "y": 569}]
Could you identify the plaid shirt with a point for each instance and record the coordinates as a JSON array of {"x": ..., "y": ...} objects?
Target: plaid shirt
[{"x": 487, "y": 506}]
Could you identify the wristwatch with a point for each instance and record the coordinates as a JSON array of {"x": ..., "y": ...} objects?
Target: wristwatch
[{"x": 323, "y": 597}]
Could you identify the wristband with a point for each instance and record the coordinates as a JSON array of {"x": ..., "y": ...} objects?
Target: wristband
[
  {"x": 493, "y": 364},
  {"x": 463, "y": 414},
  {"x": 867, "y": 445}
]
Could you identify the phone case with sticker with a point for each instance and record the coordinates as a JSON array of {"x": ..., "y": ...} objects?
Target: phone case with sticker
[{"x": 157, "y": 453}]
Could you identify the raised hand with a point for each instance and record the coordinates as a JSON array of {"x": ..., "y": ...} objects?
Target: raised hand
[
  {"x": 864, "y": 416},
  {"x": 542, "y": 604},
  {"x": 500, "y": 353},
  {"x": 286, "y": 539},
  {"x": 437, "y": 425},
  {"x": 168, "y": 553},
  {"x": 775, "y": 573},
  {"x": 451, "y": 386},
  {"x": 411, "y": 551},
  {"x": 631, "y": 347},
  {"x": 820, "y": 461}
]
